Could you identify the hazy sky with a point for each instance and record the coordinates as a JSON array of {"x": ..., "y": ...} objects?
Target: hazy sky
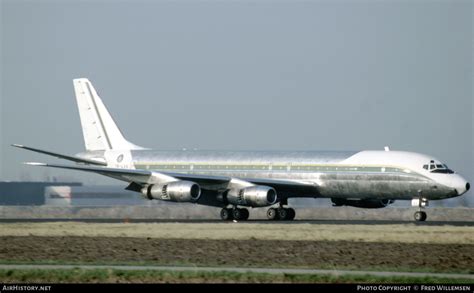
[{"x": 286, "y": 75}]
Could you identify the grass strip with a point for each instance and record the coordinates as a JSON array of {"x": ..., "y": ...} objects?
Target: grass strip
[{"x": 159, "y": 276}]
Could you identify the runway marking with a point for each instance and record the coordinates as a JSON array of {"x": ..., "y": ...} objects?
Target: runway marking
[{"x": 239, "y": 270}]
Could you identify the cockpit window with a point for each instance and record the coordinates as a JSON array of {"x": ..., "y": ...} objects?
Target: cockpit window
[
  {"x": 437, "y": 168},
  {"x": 446, "y": 171}
]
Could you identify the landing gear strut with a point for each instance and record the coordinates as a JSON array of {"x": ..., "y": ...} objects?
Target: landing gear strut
[
  {"x": 234, "y": 214},
  {"x": 281, "y": 213}
]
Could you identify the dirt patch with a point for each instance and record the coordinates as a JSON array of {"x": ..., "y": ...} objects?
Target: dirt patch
[{"x": 239, "y": 253}]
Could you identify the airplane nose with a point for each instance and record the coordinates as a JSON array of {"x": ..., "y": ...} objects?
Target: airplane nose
[
  {"x": 462, "y": 188},
  {"x": 459, "y": 184}
]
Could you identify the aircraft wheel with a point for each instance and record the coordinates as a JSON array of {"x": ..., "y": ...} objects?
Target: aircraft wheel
[
  {"x": 226, "y": 214},
  {"x": 237, "y": 214},
  {"x": 282, "y": 214},
  {"x": 245, "y": 214},
  {"x": 420, "y": 216},
  {"x": 291, "y": 214},
  {"x": 272, "y": 214}
]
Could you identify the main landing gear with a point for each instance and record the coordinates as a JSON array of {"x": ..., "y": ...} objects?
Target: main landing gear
[
  {"x": 281, "y": 213},
  {"x": 240, "y": 214},
  {"x": 229, "y": 214}
]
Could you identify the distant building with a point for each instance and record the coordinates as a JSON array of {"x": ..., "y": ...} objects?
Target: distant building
[
  {"x": 27, "y": 192},
  {"x": 92, "y": 196}
]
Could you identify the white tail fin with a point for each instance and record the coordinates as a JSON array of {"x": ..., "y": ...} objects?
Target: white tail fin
[{"x": 98, "y": 127}]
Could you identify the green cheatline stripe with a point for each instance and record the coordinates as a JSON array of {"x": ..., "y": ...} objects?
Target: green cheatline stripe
[{"x": 261, "y": 167}]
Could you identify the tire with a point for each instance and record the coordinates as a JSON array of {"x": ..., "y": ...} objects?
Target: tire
[
  {"x": 420, "y": 216},
  {"x": 291, "y": 214},
  {"x": 226, "y": 214},
  {"x": 282, "y": 214},
  {"x": 424, "y": 216},
  {"x": 272, "y": 214},
  {"x": 237, "y": 214},
  {"x": 245, "y": 214}
]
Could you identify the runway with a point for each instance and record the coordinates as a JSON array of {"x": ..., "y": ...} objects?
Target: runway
[
  {"x": 240, "y": 270},
  {"x": 213, "y": 221}
]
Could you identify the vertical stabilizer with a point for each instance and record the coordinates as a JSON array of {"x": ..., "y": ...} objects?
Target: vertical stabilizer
[{"x": 98, "y": 127}]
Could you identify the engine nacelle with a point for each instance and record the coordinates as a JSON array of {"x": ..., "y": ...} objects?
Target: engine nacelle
[
  {"x": 179, "y": 191},
  {"x": 362, "y": 203},
  {"x": 254, "y": 196}
]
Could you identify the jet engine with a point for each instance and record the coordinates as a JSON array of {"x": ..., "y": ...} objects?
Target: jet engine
[
  {"x": 362, "y": 203},
  {"x": 178, "y": 191},
  {"x": 254, "y": 196}
]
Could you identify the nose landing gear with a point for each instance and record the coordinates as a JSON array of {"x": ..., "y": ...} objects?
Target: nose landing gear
[{"x": 420, "y": 215}]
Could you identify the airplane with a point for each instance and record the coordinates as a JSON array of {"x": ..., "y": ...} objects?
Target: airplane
[{"x": 236, "y": 180}]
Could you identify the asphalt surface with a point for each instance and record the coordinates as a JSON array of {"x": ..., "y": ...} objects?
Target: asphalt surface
[
  {"x": 316, "y": 222},
  {"x": 241, "y": 270}
]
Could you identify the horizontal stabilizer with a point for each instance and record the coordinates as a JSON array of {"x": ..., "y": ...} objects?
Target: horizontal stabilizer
[
  {"x": 65, "y": 157},
  {"x": 128, "y": 175},
  {"x": 95, "y": 169}
]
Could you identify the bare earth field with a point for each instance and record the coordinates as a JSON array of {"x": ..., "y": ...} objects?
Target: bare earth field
[
  {"x": 239, "y": 253},
  {"x": 367, "y": 247}
]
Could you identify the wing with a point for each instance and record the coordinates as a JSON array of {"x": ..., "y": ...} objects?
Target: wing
[
  {"x": 288, "y": 188},
  {"x": 139, "y": 177}
]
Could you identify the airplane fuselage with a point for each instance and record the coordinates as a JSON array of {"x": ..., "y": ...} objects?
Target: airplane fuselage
[{"x": 350, "y": 174}]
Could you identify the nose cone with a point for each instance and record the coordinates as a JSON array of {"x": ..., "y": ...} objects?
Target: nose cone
[{"x": 461, "y": 185}]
